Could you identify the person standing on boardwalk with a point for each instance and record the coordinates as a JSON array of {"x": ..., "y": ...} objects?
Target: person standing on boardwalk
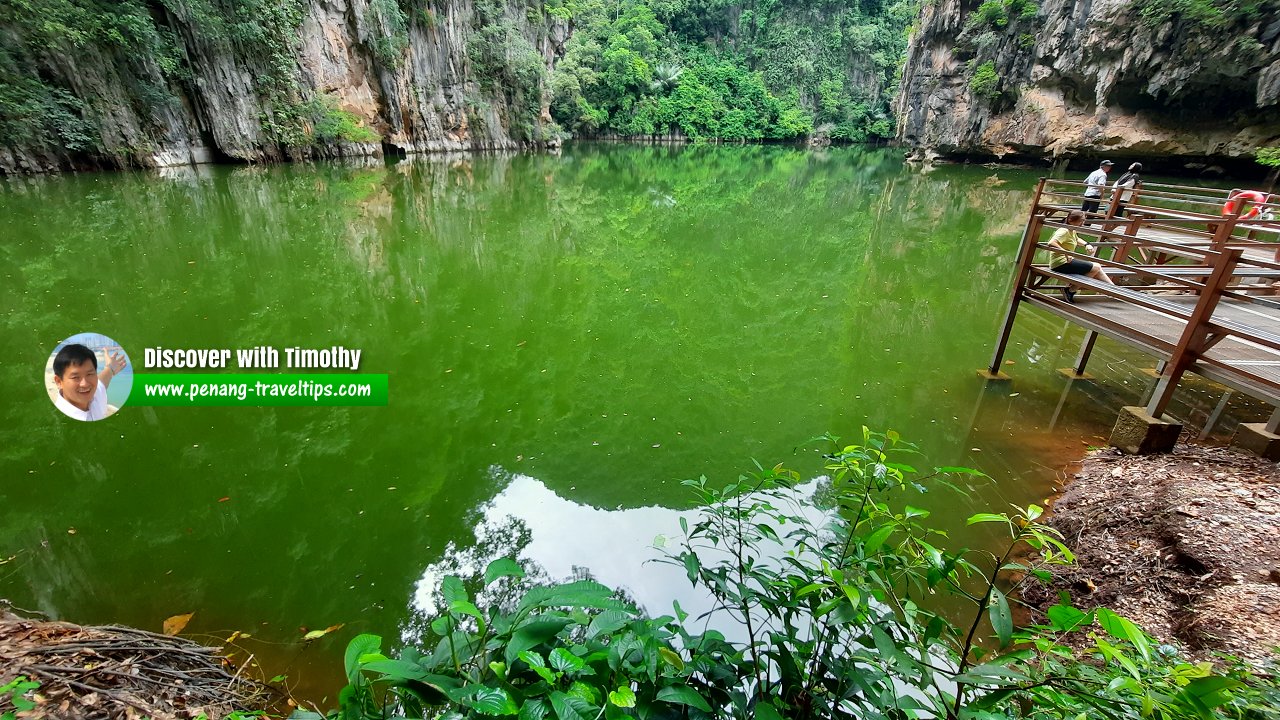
[
  {"x": 1066, "y": 240},
  {"x": 1126, "y": 183},
  {"x": 1094, "y": 185}
]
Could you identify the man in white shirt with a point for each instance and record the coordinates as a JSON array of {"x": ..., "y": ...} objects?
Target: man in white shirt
[
  {"x": 82, "y": 391},
  {"x": 1094, "y": 185}
]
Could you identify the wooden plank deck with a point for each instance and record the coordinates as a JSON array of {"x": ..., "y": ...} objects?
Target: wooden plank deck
[
  {"x": 1235, "y": 362},
  {"x": 1202, "y": 305}
]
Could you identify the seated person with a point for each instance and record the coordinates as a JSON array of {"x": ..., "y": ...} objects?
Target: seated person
[{"x": 1067, "y": 240}]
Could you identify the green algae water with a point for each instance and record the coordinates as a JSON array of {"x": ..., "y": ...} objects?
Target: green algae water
[{"x": 566, "y": 337}]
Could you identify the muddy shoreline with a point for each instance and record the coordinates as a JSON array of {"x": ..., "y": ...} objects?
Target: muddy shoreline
[{"x": 1185, "y": 544}]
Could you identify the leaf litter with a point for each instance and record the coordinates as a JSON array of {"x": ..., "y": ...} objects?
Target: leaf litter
[{"x": 1186, "y": 544}]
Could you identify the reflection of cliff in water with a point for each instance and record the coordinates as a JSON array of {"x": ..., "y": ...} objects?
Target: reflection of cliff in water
[{"x": 608, "y": 321}]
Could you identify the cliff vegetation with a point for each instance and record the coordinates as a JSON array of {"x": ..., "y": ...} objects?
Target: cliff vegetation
[{"x": 93, "y": 83}]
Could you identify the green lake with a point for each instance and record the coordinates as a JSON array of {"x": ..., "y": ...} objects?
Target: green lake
[{"x": 567, "y": 337}]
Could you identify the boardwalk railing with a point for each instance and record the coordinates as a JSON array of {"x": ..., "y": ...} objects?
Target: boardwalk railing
[{"x": 1194, "y": 286}]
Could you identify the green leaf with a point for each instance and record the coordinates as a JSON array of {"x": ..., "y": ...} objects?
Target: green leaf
[
  {"x": 986, "y": 518},
  {"x": 766, "y": 711},
  {"x": 607, "y": 622},
  {"x": 681, "y": 615},
  {"x": 810, "y": 588},
  {"x": 877, "y": 538},
  {"x": 465, "y": 607},
  {"x": 500, "y": 568},
  {"x": 1113, "y": 653},
  {"x": 533, "y": 710},
  {"x": 683, "y": 695},
  {"x": 534, "y": 632},
  {"x": 915, "y": 512},
  {"x": 565, "y": 661},
  {"x": 582, "y": 690},
  {"x": 568, "y": 707},
  {"x": 1112, "y": 624},
  {"x": 538, "y": 665},
  {"x": 582, "y": 593},
  {"x": 396, "y": 669},
  {"x": 851, "y": 592},
  {"x": 440, "y": 626},
  {"x": 671, "y": 658},
  {"x": 991, "y": 674},
  {"x": 493, "y": 701},
  {"x": 1211, "y": 691},
  {"x": 691, "y": 565},
  {"x": 1068, "y": 618},
  {"x": 363, "y": 644},
  {"x": 1001, "y": 616},
  {"x": 623, "y": 697},
  {"x": 453, "y": 590},
  {"x": 1122, "y": 628}
]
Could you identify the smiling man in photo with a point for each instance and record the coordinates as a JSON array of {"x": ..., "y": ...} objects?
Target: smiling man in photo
[{"x": 82, "y": 390}]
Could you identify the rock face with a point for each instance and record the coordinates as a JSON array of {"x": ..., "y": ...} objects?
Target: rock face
[
  {"x": 344, "y": 77},
  {"x": 1082, "y": 77}
]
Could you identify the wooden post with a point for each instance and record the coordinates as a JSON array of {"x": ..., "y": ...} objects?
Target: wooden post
[
  {"x": 1193, "y": 336},
  {"x": 1086, "y": 349},
  {"x": 1123, "y": 254},
  {"x": 1273, "y": 423},
  {"x": 1213, "y": 417},
  {"x": 1030, "y": 237},
  {"x": 1111, "y": 206}
]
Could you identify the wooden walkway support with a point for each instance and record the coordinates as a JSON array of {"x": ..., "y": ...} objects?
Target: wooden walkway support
[{"x": 1194, "y": 289}]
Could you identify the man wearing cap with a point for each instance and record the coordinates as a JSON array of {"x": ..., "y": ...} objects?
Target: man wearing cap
[{"x": 1094, "y": 185}]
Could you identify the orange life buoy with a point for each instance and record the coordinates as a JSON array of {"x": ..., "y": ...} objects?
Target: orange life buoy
[{"x": 1241, "y": 197}]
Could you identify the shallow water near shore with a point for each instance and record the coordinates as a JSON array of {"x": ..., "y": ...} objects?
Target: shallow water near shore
[{"x": 567, "y": 338}]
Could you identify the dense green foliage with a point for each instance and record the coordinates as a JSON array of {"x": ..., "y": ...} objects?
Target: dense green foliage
[
  {"x": 766, "y": 70},
  {"x": 701, "y": 68},
  {"x": 822, "y": 608},
  {"x": 995, "y": 43},
  {"x": 1206, "y": 14},
  {"x": 997, "y": 13},
  {"x": 38, "y": 113},
  {"x": 985, "y": 82}
]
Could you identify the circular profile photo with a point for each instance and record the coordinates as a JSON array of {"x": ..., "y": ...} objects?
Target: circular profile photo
[{"x": 88, "y": 376}]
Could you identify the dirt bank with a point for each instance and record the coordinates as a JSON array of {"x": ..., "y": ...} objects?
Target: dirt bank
[{"x": 1185, "y": 544}]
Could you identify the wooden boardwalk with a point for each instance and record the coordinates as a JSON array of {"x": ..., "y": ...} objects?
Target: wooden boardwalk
[{"x": 1194, "y": 286}]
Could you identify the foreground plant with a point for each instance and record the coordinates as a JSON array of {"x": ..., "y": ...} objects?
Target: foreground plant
[{"x": 830, "y": 598}]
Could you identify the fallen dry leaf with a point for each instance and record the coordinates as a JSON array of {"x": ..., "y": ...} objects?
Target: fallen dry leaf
[{"x": 177, "y": 623}]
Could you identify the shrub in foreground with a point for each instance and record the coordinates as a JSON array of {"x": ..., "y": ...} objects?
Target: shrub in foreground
[{"x": 825, "y": 606}]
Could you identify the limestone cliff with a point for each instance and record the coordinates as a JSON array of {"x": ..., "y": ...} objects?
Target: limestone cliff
[
  {"x": 316, "y": 78},
  {"x": 1193, "y": 80}
]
